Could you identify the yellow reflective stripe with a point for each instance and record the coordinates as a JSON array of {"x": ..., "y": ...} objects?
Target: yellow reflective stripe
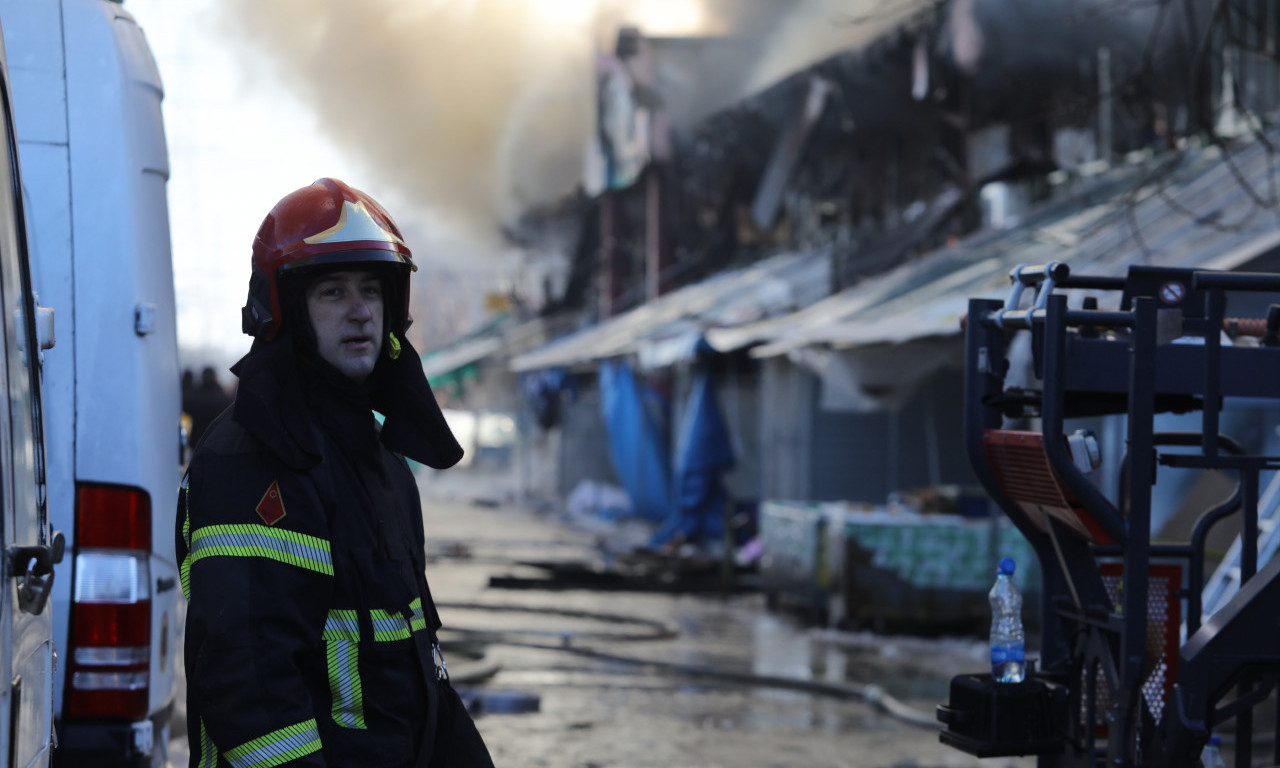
[
  {"x": 345, "y": 688},
  {"x": 208, "y": 752},
  {"x": 418, "y": 621},
  {"x": 288, "y": 547},
  {"x": 277, "y": 747},
  {"x": 184, "y": 568},
  {"x": 388, "y": 626},
  {"x": 342, "y": 624},
  {"x": 342, "y": 652}
]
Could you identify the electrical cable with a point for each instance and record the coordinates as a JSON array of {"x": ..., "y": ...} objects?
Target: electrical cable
[{"x": 871, "y": 694}]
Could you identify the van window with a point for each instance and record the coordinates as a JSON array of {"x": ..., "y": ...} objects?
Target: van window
[{"x": 22, "y": 520}]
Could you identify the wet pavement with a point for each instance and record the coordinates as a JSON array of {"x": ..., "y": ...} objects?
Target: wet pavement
[{"x": 663, "y": 680}]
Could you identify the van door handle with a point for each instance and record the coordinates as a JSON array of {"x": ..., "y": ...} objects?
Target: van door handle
[{"x": 34, "y": 565}]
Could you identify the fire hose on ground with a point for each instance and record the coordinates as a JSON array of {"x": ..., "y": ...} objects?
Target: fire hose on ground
[{"x": 870, "y": 694}]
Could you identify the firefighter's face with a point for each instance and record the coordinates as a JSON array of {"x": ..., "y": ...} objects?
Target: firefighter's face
[{"x": 346, "y": 314}]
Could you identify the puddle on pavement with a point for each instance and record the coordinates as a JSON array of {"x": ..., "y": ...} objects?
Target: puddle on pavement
[
  {"x": 908, "y": 668},
  {"x": 735, "y": 636}
]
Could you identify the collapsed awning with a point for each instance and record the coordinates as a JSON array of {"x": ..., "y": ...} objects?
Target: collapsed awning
[
  {"x": 1204, "y": 209},
  {"x": 668, "y": 329}
]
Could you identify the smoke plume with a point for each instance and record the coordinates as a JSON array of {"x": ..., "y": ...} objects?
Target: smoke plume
[
  {"x": 816, "y": 29},
  {"x": 477, "y": 109},
  {"x": 429, "y": 95}
]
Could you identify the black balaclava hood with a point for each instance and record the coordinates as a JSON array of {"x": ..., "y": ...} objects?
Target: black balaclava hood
[{"x": 277, "y": 379}]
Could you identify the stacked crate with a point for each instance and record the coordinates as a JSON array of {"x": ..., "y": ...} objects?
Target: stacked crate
[{"x": 890, "y": 569}]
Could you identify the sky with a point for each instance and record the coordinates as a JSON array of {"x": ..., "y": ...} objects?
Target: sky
[{"x": 237, "y": 144}]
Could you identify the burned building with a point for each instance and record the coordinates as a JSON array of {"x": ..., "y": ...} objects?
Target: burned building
[
  {"x": 956, "y": 123},
  {"x": 950, "y": 120}
]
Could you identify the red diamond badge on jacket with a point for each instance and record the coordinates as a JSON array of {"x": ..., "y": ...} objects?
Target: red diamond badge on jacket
[{"x": 271, "y": 508}]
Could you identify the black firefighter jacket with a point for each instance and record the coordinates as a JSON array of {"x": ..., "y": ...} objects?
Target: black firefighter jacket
[{"x": 310, "y": 625}]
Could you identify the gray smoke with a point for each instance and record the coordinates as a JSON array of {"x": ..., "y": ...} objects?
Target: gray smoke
[
  {"x": 1026, "y": 40},
  {"x": 816, "y": 29},
  {"x": 478, "y": 109}
]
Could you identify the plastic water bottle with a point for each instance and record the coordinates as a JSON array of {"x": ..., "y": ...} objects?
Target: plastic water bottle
[
  {"x": 1211, "y": 757},
  {"x": 1008, "y": 640}
]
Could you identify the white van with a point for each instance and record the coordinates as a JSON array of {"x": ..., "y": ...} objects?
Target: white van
[
  {"x": 28, "y": 546},
  {"x": 87, "y": 95}
]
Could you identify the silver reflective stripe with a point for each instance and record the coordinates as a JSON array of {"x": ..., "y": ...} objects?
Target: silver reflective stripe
[
  {"x": 254, "y": 540},
  {"x": 278, "y": 747},
  {"x": 345, "y": 687},
  {"x": 388, "y": 626},
  {"x": 342, "y": 624},
  {"x": 342, "y": 652}
]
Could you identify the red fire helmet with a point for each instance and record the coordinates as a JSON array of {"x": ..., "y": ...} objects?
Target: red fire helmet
[{"x": 323, "y": 224}]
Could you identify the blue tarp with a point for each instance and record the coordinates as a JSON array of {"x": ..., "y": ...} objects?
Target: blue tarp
[
  {"x": 704, "y": 454},
  {"x": 636, "y": 442}
]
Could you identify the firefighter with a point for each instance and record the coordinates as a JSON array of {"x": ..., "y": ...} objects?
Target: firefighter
[{"x": 311, "y": 633}]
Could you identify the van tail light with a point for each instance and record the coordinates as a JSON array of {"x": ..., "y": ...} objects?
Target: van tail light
[{"x": 108, "y": 675}]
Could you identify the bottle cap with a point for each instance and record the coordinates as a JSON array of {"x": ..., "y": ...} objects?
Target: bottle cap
[
  {"x": 1215, "y": 740},
  {"x": 1007, "y": 566}
]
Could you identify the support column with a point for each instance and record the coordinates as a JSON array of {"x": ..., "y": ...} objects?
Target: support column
[
  {"x": 608, "y": 268},
  {"x": 657, "y": 246}
]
